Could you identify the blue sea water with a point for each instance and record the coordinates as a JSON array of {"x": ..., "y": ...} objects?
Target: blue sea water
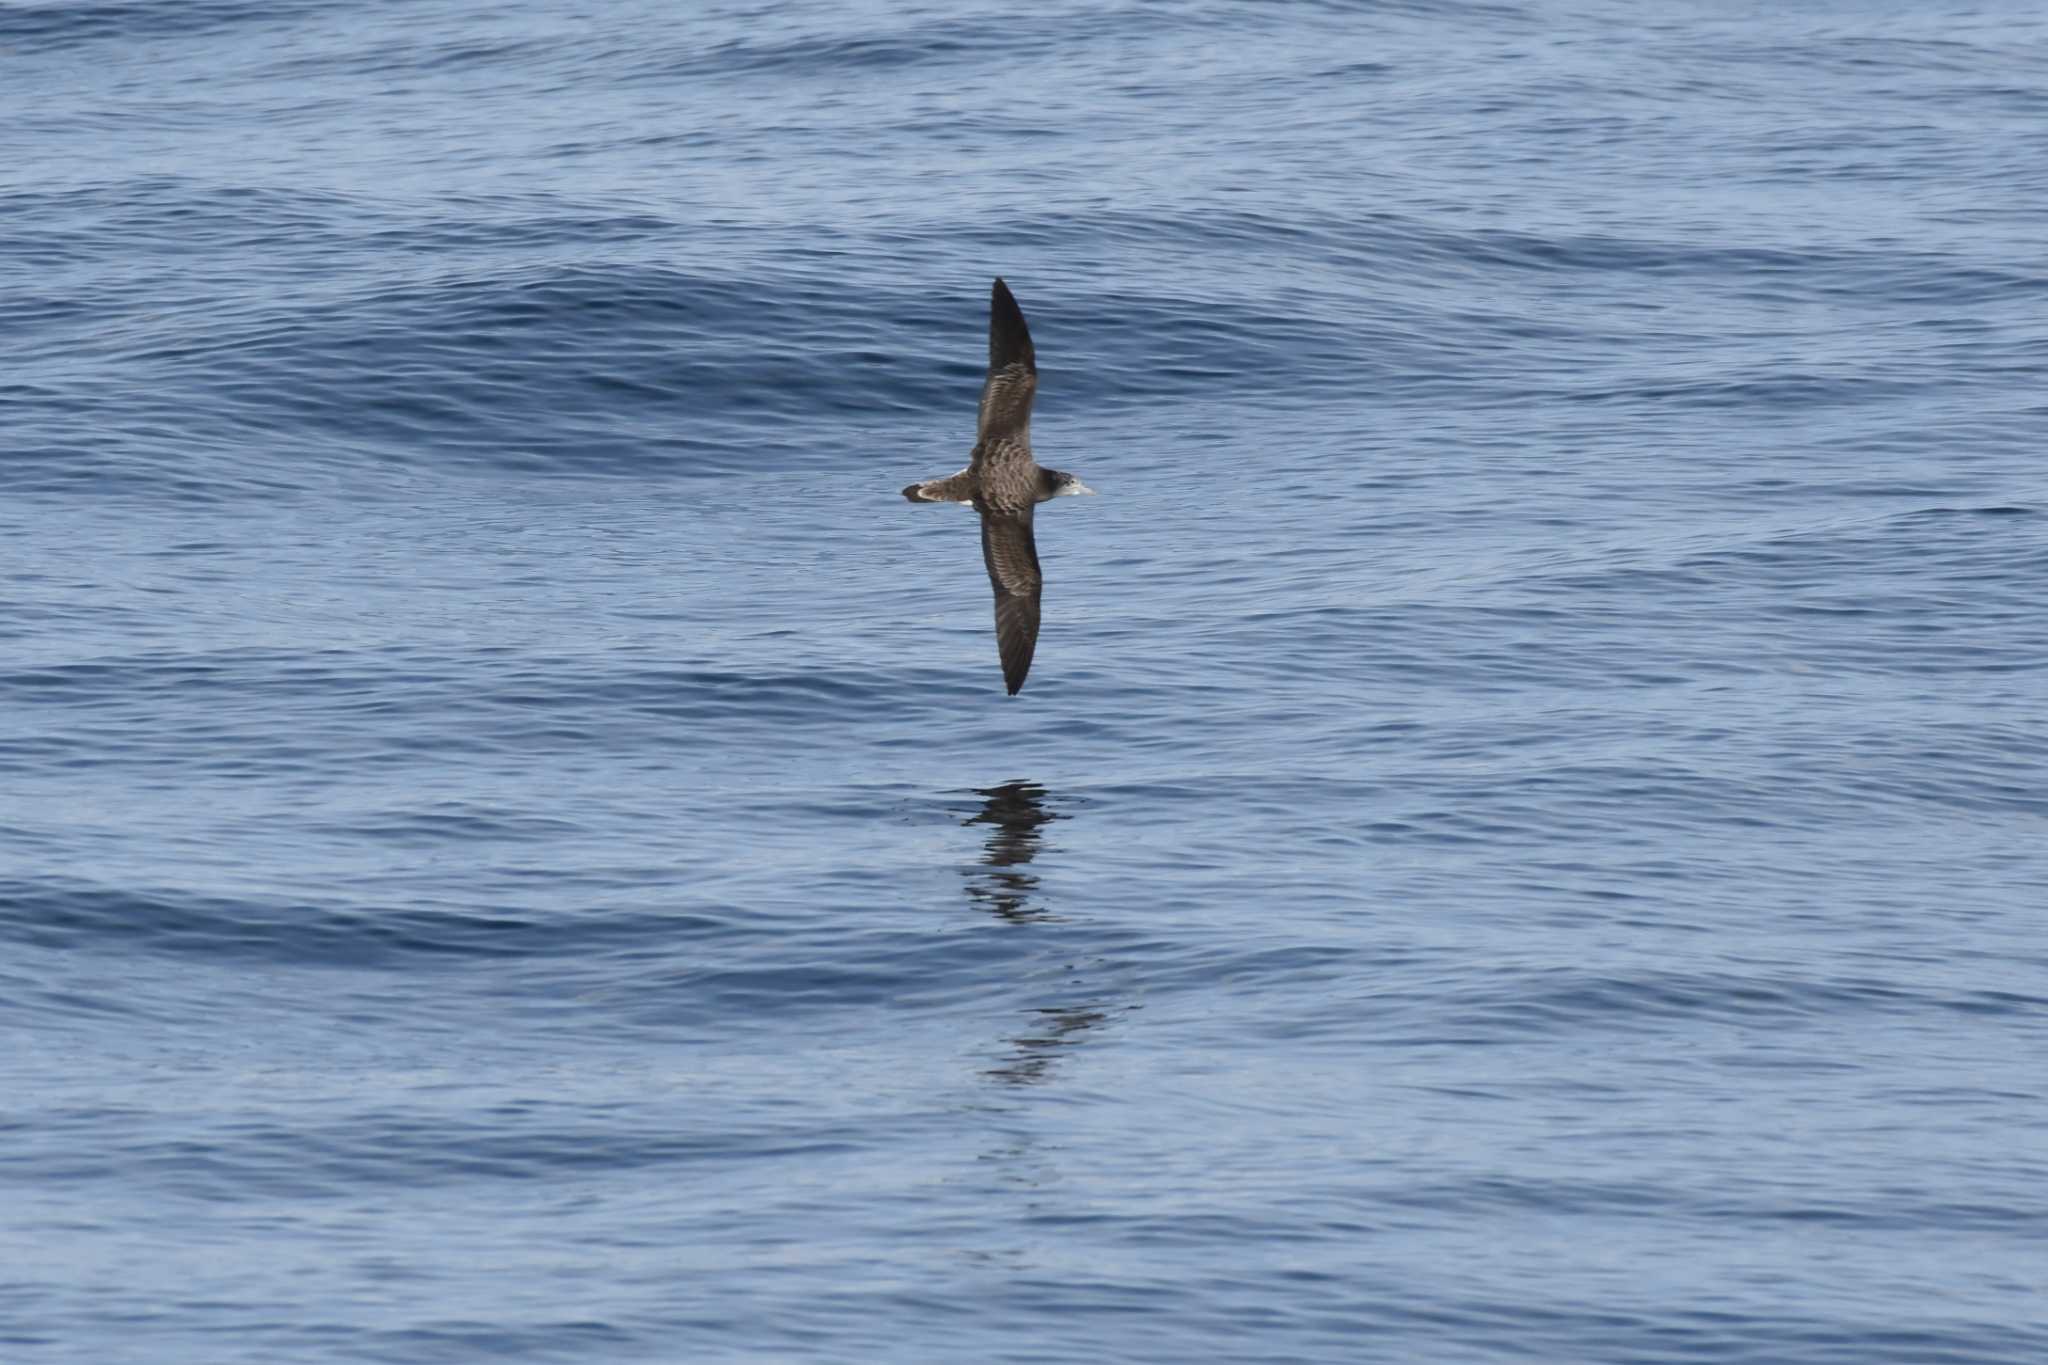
[{"x": 1523, "y": 840}]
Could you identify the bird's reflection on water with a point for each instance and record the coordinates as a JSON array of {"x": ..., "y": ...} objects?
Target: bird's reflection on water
[
  {"x": 1032, "y": 1053},
  {"x": 1014, "y": 814}
]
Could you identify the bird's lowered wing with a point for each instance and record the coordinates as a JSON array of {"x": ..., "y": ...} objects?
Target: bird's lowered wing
[{"x": 1012, "y": 558}]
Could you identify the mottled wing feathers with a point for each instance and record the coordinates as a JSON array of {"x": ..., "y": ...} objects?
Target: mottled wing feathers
[
  {"x": 1012, "y": 369},
  {"x": 1012, "y": 559}
]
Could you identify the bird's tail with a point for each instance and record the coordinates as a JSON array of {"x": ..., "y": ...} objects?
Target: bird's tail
[{"x": 954, "y": 488}]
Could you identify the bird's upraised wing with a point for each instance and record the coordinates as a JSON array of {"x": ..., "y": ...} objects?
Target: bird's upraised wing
[{"x": 1012, "y": 370}]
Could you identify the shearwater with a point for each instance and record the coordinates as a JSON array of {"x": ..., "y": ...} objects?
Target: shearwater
[{"x": 1005, "y": 484}]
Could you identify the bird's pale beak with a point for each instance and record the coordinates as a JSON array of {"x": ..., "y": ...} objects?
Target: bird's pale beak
[{"x": 1077, "y": 487}]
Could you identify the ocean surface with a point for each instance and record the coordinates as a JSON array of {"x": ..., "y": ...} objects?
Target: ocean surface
[{"x": 1524, "y": 840}]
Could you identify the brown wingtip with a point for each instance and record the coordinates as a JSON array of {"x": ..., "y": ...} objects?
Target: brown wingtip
[
  {"x": 1009, "y": 340},
  {"x": 911, "y": 493}
]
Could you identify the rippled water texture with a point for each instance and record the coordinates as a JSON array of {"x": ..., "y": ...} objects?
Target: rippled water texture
[{"x": 1522, "y": 841}]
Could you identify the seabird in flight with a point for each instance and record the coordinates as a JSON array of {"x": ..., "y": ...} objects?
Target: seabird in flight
[{"x": 1004, "y": 484}]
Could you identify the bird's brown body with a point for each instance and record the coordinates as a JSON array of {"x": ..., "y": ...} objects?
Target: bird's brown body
[{"x": 1005, "y": 485}]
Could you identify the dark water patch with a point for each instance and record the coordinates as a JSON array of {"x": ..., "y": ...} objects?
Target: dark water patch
[
  {"x": 906, "y": 48},
  {"x": 1564, "y": 1001},
  {"x": 77, "y": 914},
  {"x": 349, "y": 687},
  {"x": 1859, "y": 54},
  {"x": 465, "y": 1339},
  {"x": 1428, "y": 1001},
  {"x": 295, "y": 233},
  {"x": 425, "y": 1150},
  {"x": 647, "y": 371},
  {"x": 47, "y": 27},
  {"x": 933, "y": 44},
  {"x": 450, "y": 822}
]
